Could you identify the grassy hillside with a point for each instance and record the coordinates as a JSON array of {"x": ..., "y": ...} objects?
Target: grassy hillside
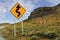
[{"x": 42, "y": 24}]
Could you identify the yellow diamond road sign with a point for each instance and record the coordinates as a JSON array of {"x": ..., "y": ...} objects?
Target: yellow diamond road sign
[{"x": 17, "y": 10}]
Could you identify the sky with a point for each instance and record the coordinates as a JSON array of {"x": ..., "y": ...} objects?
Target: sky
[{"x": 29, "y": 6}]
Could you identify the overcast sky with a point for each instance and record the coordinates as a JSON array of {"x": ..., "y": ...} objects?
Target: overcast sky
[{"x": 29, "y": 5}]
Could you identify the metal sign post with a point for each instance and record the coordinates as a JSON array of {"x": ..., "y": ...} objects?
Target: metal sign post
[
  {"x": 22, "y": 27},
  {"x": 14, "y": 29}
]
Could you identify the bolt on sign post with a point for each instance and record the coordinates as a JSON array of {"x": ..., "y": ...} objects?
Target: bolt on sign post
[{"x": 18, "y": 11}]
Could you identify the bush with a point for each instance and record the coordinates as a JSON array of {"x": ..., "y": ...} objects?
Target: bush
[
  {"x": 37, "y": 34},
  {"x": 51, "y": 35},
  {"x": 34, "y": 38}
]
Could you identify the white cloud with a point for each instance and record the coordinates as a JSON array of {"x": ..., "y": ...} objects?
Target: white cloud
[
  {"x": 54, "y": 1},
  {"x": 2, "y": 10}
]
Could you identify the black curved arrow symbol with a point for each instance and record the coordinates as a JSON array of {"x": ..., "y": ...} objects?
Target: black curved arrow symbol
[{"x": 18, "y": 7}]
